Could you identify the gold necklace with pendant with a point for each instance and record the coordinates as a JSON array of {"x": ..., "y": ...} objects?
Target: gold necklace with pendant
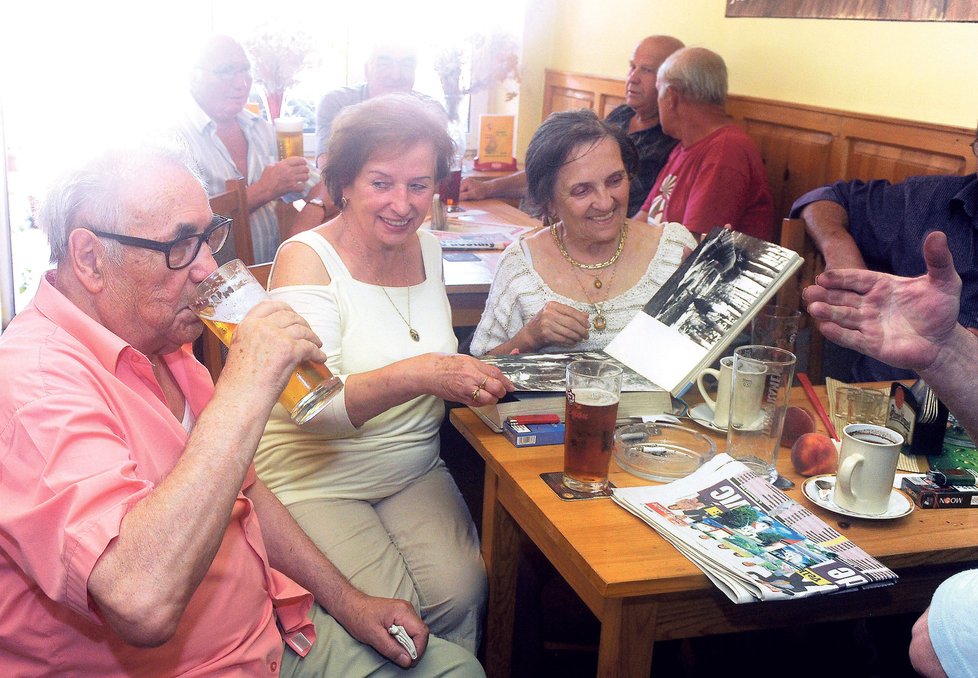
[
  {"x": 622, "y": 234},
  {"x": 599, "y": 322},
  {"x": 413, "y": 333}
]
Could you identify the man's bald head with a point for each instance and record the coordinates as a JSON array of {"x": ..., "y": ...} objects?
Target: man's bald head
[{"x": 640, "y": 85}]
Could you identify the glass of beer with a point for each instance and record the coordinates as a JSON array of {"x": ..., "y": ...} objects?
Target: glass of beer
[
  {"x": 593, "y": 390},
  {"x": 224, "y": 299},
  {"x": 450, "y": 188},
  {"x": 288, "y": 135}
]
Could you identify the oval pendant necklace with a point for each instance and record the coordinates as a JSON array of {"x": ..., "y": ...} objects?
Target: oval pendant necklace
[{"x": 413, "y": 333}]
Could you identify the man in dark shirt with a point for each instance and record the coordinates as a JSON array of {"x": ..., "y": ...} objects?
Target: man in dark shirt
[
  {"x": 639, "y": 116},
  {"x": 881, "y": 227}
]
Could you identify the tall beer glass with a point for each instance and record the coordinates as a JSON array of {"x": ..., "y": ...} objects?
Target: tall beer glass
[
  {"x": 224, "y": 299},
  {"x": 593, "y": 390},
  {"x": 288, "y": 137}
]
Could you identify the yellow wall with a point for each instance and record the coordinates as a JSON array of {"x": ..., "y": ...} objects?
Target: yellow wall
[{"x": 914, "y": 70}]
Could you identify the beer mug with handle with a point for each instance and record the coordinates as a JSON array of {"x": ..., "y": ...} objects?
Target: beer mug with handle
[{"x": 223, "y": 300}]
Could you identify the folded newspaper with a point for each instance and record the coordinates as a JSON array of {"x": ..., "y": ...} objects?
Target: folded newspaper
[{"x": 751, "y": 539}]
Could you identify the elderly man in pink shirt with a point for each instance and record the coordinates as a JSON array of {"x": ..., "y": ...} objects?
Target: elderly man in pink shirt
[{"x": 135, "y": 538}]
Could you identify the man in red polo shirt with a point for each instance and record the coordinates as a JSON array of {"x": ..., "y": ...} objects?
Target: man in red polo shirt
[{"x": 715, "y": 175}]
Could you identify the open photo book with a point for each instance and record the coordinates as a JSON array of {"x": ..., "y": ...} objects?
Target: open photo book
[
  {"x": 751, "y": 539},
  {"x": 702, "y": 307}
]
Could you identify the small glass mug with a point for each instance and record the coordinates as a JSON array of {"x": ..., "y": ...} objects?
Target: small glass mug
[
  {"x": 856, "y": 405},
  {"x": 223, "y": 300}
]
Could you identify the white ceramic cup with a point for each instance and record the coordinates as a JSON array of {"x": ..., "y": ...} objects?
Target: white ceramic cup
[
  {"x": 867, "y": 467},
  {"x": 721, "y": 406}
]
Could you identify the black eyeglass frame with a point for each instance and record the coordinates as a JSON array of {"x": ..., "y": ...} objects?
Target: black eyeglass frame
[
  {"x": 974, "y": 147},
  {"x": 217, "y": 223}
]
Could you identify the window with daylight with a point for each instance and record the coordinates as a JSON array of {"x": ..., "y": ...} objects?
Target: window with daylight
[{"x": 80, "y": 75}]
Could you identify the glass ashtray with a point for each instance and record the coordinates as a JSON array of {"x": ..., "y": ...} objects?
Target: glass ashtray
[{"x": 662, "y": 452}]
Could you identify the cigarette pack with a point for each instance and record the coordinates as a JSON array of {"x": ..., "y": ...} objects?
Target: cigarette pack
[
  {"x": 928, "y": 494},
  {"x": 526, "y": 435}
]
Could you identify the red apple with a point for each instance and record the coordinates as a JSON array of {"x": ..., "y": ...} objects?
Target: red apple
[
  {"x": 813, "y": 454},
  {"x": 797, "y": 422}
]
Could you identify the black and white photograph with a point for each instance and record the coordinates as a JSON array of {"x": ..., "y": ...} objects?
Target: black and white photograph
[{"x": 717, "y": 285}]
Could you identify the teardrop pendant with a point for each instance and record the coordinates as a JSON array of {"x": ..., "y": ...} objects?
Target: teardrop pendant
[
  {"x": 414, "y": 334},
  {"x": 599, "y": 322}
]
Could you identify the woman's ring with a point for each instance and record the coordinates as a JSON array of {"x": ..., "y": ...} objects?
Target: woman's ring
[
  {"x": 476, "y": 392},
  {"x": 483, "y": 384}
]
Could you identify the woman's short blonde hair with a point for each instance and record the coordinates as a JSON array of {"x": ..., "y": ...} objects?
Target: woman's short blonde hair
[{"x": 389, "y": 123}]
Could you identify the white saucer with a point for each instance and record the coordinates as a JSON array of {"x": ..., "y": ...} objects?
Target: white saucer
[
  {"x": 899, "y": 506},
  {"x": 702, "y": 414}
]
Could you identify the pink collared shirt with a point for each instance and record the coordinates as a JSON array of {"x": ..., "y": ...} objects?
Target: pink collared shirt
[{"x": 85, "y": 434}]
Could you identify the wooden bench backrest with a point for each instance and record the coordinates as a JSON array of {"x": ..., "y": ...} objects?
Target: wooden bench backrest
[{"x": 234, "y": 203}]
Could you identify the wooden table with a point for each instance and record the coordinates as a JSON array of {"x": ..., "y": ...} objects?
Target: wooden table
[
  {"x": 642, "y": 589},
  {"x": 468, "y": 273}
]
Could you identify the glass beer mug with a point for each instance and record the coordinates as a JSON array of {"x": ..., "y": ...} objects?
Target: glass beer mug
[{"x": 223, "y": 300}]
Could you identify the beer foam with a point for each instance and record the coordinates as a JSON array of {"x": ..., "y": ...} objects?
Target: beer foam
[
  {"x": 234, "y": 307},
  {"x": 594, "y": 397}
]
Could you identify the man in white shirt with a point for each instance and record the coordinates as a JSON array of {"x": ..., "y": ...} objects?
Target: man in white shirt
[{"x": 228, "y": 142}]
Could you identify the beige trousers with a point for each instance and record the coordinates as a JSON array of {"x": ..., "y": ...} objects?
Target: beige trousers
[{"x": 419, "y": 545}]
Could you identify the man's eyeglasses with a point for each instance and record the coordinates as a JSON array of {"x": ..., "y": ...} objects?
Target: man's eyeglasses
[
  {"x": 179, "y": 252},
  {"x": 974, "y": 147},
  {"x": 229, "y": 72}
]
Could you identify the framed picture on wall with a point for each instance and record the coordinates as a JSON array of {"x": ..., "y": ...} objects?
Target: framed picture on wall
[{"x": 908, "y": 10}]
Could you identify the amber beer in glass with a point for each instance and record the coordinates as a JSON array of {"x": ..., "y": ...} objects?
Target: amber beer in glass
[
  {"x": 593, "y": 390},
  {"x": 288, "y": 136},
  {"x": 450, "y": 188},
  {"x": 224, "y": 299}
]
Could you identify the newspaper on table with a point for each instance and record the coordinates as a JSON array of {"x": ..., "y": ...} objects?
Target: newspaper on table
[{"x": 751, "y": 539}]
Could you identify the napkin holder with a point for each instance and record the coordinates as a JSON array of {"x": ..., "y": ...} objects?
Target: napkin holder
[{"x": 922, "y": 431}]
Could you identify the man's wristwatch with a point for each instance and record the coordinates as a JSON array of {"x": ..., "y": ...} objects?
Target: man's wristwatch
[{"x": 318, "y": 202}]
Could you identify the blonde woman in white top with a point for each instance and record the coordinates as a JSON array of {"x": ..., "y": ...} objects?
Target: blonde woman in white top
[
  {"x": 575, "y": 283},
  {"x": 365, "y": 479}
]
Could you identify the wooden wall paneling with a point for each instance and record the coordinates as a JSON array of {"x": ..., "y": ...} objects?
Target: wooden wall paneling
[
  {"x": 568, "y": 91},
  {"x": 873, "y": 159},
  {"x": 568, "y": 100},
  {"x": 797, "y": 160},
  {"x": 609, "y": 102}
]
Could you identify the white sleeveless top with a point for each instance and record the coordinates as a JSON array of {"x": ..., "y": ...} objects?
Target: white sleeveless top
[{"x": 361, "y": 331}]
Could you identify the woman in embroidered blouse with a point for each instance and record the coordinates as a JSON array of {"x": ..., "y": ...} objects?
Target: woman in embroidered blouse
[
  {"x": 365, "y": 479},
  {"x": 577, "y": 282}
]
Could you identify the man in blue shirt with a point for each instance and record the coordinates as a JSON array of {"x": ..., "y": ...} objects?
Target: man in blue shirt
[
  {"x": 881, "y": 226},
  {"x": 911, "y": 322}
]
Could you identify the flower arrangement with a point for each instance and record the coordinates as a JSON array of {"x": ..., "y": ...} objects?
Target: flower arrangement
[
  {"x": 483, "y": 60},
  {"x": 276, "y": 60}
]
